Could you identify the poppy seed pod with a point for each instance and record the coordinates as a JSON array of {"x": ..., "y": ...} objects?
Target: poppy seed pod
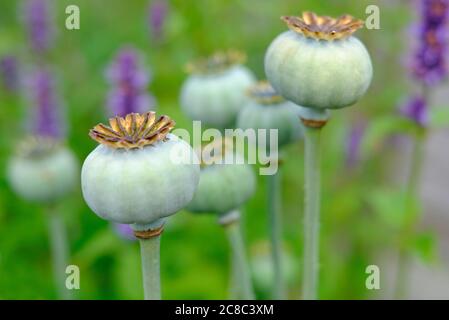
[
  {"x": 318, "y": 63},
  {"x": 262, "y": 268},
  {"x": 223, "y": 187},
  {"x": 140, "y": 173},
  {"x": 266, "y": 109},
  {"x": 42, "y": 170},
  {"x": 215, "y": 91}
]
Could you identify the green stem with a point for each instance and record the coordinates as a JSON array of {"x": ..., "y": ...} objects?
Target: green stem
[
  {"x": 411, "y": 193},
  {"x": 59, "y": 253},
  {"x": 241, "y": 267},
  {"x": 311, "y": 212},
  {"x": 233, "y": 285},
  {"x": 401, "y": 275},
  {"x": 275, "y": 223},
  {"x": 150, "y": 254}
]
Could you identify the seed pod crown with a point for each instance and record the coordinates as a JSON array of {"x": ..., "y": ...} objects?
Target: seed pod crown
[
  {"x": 323, "y": 27},
  {"x": 264, "y": 93},
  {"x": 133, "y": 131},
  {"x": 218, "y": 62}
]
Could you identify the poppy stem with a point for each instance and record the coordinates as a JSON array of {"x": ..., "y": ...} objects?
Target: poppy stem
[
  {"x": 275, "y": 223},
  {"x": 150, "y": 255},
  {"x": 311, "y": 212},
  {"x": 240, "y": 264},
  {"x": 59, "y": 252}
]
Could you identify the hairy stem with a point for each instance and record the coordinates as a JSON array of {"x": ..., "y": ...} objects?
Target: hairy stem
[
  {"x": 150, "y": 254},
  {"x": 275, "y": 223},
  {"x": 241, "y": 268},
  {"x": 311, "y": 212},
  {"x": 233, "y": 285},
  {"x": 59, "y": 253}
]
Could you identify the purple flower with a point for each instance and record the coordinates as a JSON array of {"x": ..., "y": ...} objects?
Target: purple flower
[
  {"x": 157, "y": 15},
  {"x": 39, "y": 25},
  {"x": 354, "y": 143},
  {"x": 9, "y": 73},
  {"x": 416, "y": 110},
  {"x": 129, "y": 81},
  {"x": 45, "y": 120},
  {"x": 429, "y": 63},
  {"x": 124, "y": 231}
]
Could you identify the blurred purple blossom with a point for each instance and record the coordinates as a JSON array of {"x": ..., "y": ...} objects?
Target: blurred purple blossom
[
  {"x": 38, "y": 22},
  {"x": 429, "y": 62},
  {"x": 129, "y": 81},
  {"x": 45, "y": 120},
  {"x": 9, "y": 73},
  {"x": 353, "y": 144},
  {"x": 157, "y": 15},
  {"x": 124, "y": 231},
  {"x": 416, "y": 109}
]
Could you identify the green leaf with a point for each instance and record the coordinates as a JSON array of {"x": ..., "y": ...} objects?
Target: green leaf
[
  {"x": 388, "y": 204},
  {"x": 425, "y": 246}
]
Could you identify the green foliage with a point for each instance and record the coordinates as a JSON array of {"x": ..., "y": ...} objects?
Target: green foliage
[
  {"x": 425, "y": 245},
  {"x": 360, "y": 216}
]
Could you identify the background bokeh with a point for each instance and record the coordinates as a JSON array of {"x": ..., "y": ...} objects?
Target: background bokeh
[{"x": 361, "y": 200}]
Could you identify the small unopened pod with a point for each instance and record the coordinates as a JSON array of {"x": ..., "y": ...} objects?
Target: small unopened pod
[
  {"x": 266, "y": 109},
  {"x": 214, "y": 92},
  {"x": 318, "y": 63},
  {"x": 43, "y": 170},
  {"x": 262, "y": 267},
  {"x": 226, "y": 181},
  {"x": 140, "y": 173}
]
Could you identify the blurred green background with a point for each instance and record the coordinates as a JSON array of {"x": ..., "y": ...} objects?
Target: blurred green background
[{"x": 359, "y": 209}]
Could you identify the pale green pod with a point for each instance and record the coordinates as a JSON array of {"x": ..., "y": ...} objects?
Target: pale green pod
[
  {"x": 215, "y": 96},
  {"x": 262, "y": 267},
  {"x": 319, "y": 71},
  {"x": 265, "y": 109},
  {"x": 223, "y": 187},
  {"x": 140, "y": 186},
  {"x": 140, "y": 173},
  {"x": 43, "y": 176}
]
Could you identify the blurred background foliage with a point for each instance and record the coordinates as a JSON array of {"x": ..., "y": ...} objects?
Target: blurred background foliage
[{"x": 361, "y": 205}]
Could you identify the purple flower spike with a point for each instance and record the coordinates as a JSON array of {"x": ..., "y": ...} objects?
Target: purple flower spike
[
  {"x": 129, "y": 81},
  {"x": 416, "y": 110},
  {"x": 46, "y": 121},
  {"x": 39, "y": 25},
  {"x": 157, "y": 15},
  {"x": 124, "y": 231},
  {"x": 429, "y": 63},
  {"x": 354, "y": 143},
  {"x": 9, "y": 73}
]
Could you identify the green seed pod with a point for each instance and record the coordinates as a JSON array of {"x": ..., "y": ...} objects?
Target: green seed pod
[
  {"x": 140, "y": 173},
  {"x": 223, "y": 187},
  {"x": 318, "y": 63},
  {"x": 215, "y": 91},
  {"x": 43, "y": 170},
  {"x": 267, "y": 110},
  {"x": 262, "y": 267}
]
